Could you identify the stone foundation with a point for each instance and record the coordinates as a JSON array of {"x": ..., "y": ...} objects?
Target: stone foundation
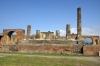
[{"x": 51, "y": 46}]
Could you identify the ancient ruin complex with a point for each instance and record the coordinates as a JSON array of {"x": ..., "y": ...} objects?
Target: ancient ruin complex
[{"x": 48, "y": 42}]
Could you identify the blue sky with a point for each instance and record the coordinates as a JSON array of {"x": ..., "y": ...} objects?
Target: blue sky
[{"x": 49, "y": 15}]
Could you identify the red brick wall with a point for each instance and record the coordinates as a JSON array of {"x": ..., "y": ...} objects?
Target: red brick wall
[
  {"x": 91, "y": 50},
  {"x": 46, "y": 49}
]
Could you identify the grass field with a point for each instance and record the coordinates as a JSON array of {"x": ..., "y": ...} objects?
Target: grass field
[{"x": 22, "y": 60}]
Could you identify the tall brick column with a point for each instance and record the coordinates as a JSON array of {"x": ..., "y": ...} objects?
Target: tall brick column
[
  {"x": 67, "y": 31},
  {"x": 28, "y": 31},
  {"x": 79, "y": 26}
]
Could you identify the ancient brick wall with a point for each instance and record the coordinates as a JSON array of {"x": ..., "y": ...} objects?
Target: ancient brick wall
[
  {"x": 65, "y": 42},
  {"x": 46, "y": 49},
  {"x": 7, "y": 35},
  {"x": 91, "y": 50},
  {"x": 78, "y": 48},
  {"x": 41, "y": 46},
  {"x": 73, "y": 36},
  {"x": 46, "y": 46},
  {"x": 99, "y": 42},
  {"x": 5, "y": 48}
]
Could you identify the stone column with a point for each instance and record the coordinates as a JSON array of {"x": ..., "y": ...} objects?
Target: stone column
[
  {"x": 23, "y": 34},
  {"x": 79, "y": 26},
  {"x": 57, "y": 34},
  {"x": 67, "y": 31},
  {"x": 37, "y": 34},
  {"x": 93, "y": 42},
  {"x": 28, "y": 31}
]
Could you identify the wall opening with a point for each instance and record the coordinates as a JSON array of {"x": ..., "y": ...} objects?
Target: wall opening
[
  {"x": 12, "y": 36},
  {"x": 1, "y": 37},
  {"x": 96, "y": 41},
  {"x": 88, "y": 41},
  {"x": 76, "y": 38},
  {"x": 12, "y": 33}
]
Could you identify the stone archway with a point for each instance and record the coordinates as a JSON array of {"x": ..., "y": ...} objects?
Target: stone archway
[
  {"x": 10, "y": 38},
  {"x": 95, "y": 39},
  {"x": 88, "y": 41}
]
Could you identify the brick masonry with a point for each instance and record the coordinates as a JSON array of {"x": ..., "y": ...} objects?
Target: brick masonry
[{"x": 91, "y": 50}]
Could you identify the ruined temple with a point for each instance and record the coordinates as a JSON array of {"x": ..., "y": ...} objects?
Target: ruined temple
[{"x": 48, "y": 42}]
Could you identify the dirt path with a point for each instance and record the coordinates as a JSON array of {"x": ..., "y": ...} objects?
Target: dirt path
[{"x": 93, "y": 59}]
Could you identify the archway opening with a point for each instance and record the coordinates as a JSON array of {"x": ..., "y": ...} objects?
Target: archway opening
[
  {"x": 0, "y": 39},
  {"x": 96, "y": 41},
  {"x": 12, "y": 36},
  {"x": 88, "y": 41},
  {"x": 12, "y": 33}
]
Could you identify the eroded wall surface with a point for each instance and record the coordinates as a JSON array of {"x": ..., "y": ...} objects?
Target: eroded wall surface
[
  {"x": 48, "y": 46},
  {"x": 91, "y": 50},
  {"x": 46, "y": 49}
]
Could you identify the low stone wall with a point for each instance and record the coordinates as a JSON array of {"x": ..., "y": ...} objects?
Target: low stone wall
[
  {"x": 46, "y": 49},
  {"x": 67, "y": 42},
  {"x": 5, "y": 48},
  {"x": 91, "y": 50}
]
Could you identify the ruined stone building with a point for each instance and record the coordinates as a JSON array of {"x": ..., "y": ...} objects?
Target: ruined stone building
[{"x": 48, "y": 42}]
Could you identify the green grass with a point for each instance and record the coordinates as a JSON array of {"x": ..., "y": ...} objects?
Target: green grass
[
  {"x": 21, "y": 60},
  {"x": 47, "y": 54}
]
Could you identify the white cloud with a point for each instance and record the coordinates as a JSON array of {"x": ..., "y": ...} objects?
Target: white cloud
[
  {"x": 85, "y": 31},
  {"x": 62, "y": 32}
]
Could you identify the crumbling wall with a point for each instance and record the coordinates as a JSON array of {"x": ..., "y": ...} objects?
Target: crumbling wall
[
  {"x": 73, "y": 36},
  {"x": 91, "y": 50},
  {"x": 46, "y": 46},
  {"x": 66, "y": 42},
  {"x": 78, "y": 48},
  {"x": 46, "y": 49},
  {"x": 5, "y": 48},
  {"x": 99, "y": 42},
  {"x": 7, "y": 35},
  {"x": 8, "y": 48}
]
